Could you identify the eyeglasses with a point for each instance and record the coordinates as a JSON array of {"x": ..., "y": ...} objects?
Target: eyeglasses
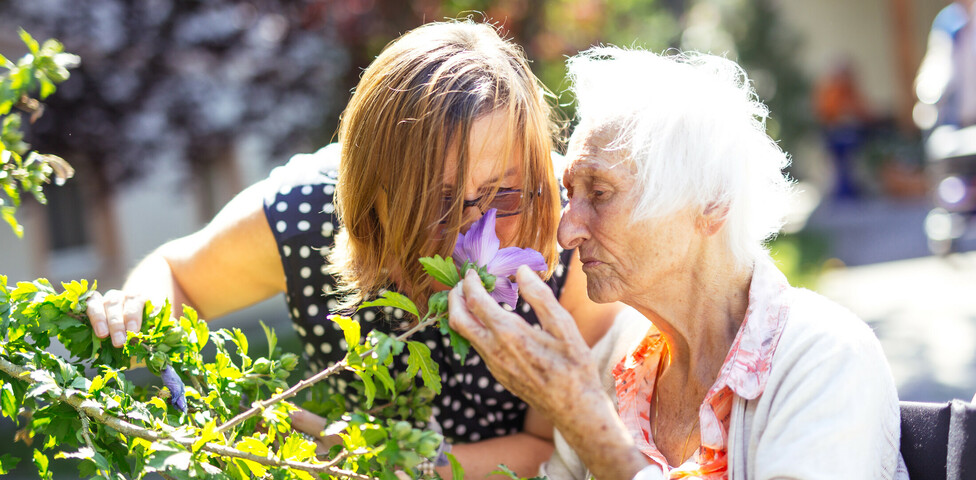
[{"x": 507, "y": 202}]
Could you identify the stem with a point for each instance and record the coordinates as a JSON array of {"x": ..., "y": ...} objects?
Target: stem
[
  {"x": 257, "y": 407},
  {"x": 94, "y": 410},
  {"x": 85, "y": 426}
]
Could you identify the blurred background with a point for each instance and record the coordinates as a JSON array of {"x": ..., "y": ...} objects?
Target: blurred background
[{"x": 179, "y": 104}]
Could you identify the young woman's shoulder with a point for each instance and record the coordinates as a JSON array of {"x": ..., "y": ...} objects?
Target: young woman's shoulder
[{"x": 304, "y": 169}]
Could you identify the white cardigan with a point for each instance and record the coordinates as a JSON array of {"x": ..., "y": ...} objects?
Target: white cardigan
[{"x": 829, "y": 411}]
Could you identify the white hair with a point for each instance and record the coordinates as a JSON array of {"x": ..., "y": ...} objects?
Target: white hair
[{"x": 696, "y": 132}]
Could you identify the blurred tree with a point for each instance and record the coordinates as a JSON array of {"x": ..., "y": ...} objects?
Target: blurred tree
[
  {"x": 749, "y": 32},
  {"x": 167, "y": 81}
]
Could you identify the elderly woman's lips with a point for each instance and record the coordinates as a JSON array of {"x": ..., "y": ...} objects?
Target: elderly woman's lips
[{"x": 590, "y": 262}]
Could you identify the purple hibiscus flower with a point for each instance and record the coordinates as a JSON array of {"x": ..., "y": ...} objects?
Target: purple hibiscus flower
[
  {"x": 480, "y": 246},
  {"x": 175, "y": 385}
]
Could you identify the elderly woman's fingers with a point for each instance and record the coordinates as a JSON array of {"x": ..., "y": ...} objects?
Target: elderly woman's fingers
[
  {"x": 552, "y": 316},
  {"x": 479, "y": 302},
  {"x": 464, "y": 322}
]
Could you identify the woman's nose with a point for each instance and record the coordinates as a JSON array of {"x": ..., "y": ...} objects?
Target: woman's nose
[
  {"x": 572, "y": 228},
  {"x": 469, "y": 215}
]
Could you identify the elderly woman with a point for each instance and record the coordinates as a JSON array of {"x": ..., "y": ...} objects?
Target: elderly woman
[{"x": 727, "y": 371}]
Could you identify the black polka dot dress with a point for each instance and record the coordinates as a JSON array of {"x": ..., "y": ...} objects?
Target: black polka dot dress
[{"x": 298, "y": 205}]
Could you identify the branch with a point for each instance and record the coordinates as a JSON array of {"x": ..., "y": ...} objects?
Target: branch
[
  {"x": 95, "y": 411},
  {"x": 257, "y": 407}
]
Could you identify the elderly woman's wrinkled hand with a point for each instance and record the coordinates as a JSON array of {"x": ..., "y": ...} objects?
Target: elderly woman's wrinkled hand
[{"x": 547, "y": 367}]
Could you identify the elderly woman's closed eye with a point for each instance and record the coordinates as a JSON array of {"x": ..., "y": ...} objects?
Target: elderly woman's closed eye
[{"x": 721, "y": 369}]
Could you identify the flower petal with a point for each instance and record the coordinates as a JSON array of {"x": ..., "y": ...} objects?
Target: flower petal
[
  {"x": 174, "y": 383},
  {"x": 481, "y": 242},
  {"x": 459, "y": 255},
  {"x": 508, "y": 259},
  {"x": 505, "y": 291}
]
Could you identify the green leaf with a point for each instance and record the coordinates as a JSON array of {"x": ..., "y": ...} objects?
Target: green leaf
[
  {"x": 441, "y": 269},
  {"x": 39, "y": 389},
  {"x": 207, "y": 434},
  {"x": 296, "y": 448},
  {"x": 350, "y": 328},
  {"x": 419, "y": 359},
  {"x": 370, "y": 387},
  {"x": 395, "y": 300},
  {"x": 457, "y": 471},
  {"x": 28, "y": 40},
  {"x": 383, "y": 374},
  {"x": 272, "y": 339},
  {"x": 460, "y": 344},
  {"x": 83, "y": 452},
  {"x": 8, "y": 401},
  {"x": 8, "y": 462},
  {"x": 241, "y": 341},
  {"x": 41, "y": 461}
]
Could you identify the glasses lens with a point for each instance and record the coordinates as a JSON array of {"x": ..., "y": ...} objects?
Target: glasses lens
[{"x": 507, "y": 202}]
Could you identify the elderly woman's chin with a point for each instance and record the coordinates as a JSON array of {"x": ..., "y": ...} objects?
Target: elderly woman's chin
[{"x": 601, "y": 289}]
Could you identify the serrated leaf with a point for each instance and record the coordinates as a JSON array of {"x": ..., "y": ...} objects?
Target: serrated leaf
[
  {"x": 350, "y": 329},
  {"x": 419, "y": 359},
  {"x": 441, "y": 269},
  {"x": 39, "y": 389},
  {"x": 41, "y": 461},
  {"x": 459, "y": 344},
  {"x": 8, "y": 401},
  {"x": 256, "y": 447},
  {"x": 395, "y": 300},
  {"x": 369, "y": 387},
  {"x": 8, "y": 462},
  {"x": 97, "y": 383},
  {"x": 241, "y": 341},
  {"x": 297, "y": 448},
  {"x": 207, "y": 434},
  {"x": 457, "y": 471},
  {"x": 383, "y": 374}
]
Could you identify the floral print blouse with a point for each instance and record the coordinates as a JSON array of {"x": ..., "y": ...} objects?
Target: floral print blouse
[{"x": 743, "y": 373}]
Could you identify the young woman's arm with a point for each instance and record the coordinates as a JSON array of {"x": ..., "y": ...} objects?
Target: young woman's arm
[{"x": 231, "y": 263}]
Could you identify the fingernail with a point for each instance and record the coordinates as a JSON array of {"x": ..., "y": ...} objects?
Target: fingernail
[
  {"x": 100, "y": 330},
  {"x": 132, "y": 327},
  {"x": 118, "y": 338}
]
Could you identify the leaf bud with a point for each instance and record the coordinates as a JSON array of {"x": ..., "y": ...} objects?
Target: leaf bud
[
  {"x": 403, "y": 381},
  {"x": 262, "y": 366},
  {"x": 157, "y": 362},
  {"x": 487, "y": 279},
  {"x": 401, "y": 430},
  {"x": 437, "y": 303},
  {"x": 289, "y": 361}
]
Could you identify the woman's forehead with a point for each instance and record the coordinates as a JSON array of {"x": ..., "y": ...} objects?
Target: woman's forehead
[
  {"x": 590, "y": 151},
  {"x": 494, "y": 153}
]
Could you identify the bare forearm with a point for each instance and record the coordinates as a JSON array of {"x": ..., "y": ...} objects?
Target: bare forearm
[{"x": 521, "y": 452}]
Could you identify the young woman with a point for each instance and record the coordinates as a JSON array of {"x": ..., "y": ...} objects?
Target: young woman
[{"x": 447, "y": 123}]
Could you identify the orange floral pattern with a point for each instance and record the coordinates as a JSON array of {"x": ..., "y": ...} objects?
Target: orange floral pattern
[{"x": 744, "y": 373}]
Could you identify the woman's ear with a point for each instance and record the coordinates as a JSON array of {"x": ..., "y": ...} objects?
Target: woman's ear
[{"x": 712, "y": 219}]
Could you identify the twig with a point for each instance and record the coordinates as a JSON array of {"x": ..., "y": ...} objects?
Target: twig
[
  {"x": 257, "y": 407},
  {"x": 85, "y": 426},
  {"x": 95, "y": 411}
]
